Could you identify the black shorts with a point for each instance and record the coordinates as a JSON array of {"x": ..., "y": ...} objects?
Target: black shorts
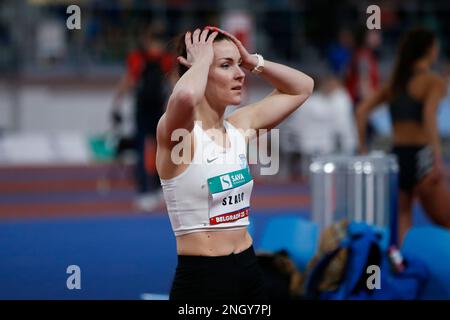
[
  {"x": 414, "y": 162},
  {"x": 232, "y": 277}
]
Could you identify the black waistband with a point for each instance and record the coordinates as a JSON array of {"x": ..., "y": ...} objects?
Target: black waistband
[
  {"x": 244, "y": 256},
  {"x": 408, "y": 147}
]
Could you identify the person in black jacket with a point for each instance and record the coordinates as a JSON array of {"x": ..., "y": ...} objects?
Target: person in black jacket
[{"x": 147, "y": 75}]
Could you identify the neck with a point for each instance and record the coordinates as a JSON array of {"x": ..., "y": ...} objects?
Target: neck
[{"x": 211, "y": 118}]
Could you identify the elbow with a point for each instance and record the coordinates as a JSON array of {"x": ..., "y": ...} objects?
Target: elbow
[
  {"x": 309, "y": 87},
  {"x": 305, "y": 92},
  {"x": 184, "y": 98}
]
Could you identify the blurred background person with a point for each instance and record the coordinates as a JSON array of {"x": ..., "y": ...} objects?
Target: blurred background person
[
  {"x": 323, "y": 125},
  {"x": 362, "y": 77},
  {"x": 148, "y": 74},
  {"x": 340, "y": 52},
  {"x": 413, "y": 94}
]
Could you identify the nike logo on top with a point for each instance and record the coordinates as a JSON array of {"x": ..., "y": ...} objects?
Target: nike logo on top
[
  {"x": 215, "y": 158},
  {"x": 211, "y": 160}
]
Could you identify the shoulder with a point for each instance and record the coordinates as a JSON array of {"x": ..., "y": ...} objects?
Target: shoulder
[
  {"x": 240, "y": 127},
  {"x": 434, "y": 78},
  {"x": 161, "y": 132},
  {"x": 434, "y": 81},
  {"x": 134, "y": 55},
  {"x": 238, "y": 118},
  {"x": 134, "y": 61},
  {"x": 164, "y": 133},
  {"x": 163, "y": 137}
]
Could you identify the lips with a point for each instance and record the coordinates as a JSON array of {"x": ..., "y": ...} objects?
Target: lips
[{"x": 237, "y": 88}]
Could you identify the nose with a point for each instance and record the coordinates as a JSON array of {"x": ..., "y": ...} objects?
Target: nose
[{"x": 239, "y": 74}]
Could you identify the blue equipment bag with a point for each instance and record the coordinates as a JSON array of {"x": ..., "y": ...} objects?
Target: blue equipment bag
[{"x": 363, "y": 244}]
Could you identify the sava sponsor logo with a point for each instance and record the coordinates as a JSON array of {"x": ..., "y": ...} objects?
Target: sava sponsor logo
[
  {"x": 237, "y": 178},
  {"x": 225, "y": 181},
  {"x": 230, "y": 180}
]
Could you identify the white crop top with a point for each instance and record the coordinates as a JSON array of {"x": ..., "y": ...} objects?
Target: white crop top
[{"x": 214, "y": 191}]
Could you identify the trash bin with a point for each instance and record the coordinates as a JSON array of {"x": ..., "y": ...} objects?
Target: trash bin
[{"x": 358, "y": 188}]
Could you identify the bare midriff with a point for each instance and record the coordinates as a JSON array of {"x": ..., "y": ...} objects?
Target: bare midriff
[
  {"x": 214, "y": 243},
  {"x": 409, "y": 133}
]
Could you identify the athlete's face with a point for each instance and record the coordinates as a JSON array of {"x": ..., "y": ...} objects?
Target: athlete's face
[{"x": 225, "y": 78}]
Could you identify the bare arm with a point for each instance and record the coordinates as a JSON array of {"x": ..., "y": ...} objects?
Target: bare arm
[
  {"x": 190, "y": 88},
  {"x": 292, "y": 88},
  {"x": 363, "y": 111},
  {"x": 364, "y": 86},
  {"x": 345, "y": 124},
  {"x": 125, "y": 85},
  {"x": 436, "y": 92}
]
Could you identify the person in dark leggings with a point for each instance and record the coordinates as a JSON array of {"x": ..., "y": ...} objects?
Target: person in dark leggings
[{"x": 413, "y": 94}]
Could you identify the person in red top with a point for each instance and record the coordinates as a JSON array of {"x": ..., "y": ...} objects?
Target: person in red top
[
  {"x": 136, "y": 60},
  {"x": 363, "y": 78},
  {"x": 148, "y": 75}
]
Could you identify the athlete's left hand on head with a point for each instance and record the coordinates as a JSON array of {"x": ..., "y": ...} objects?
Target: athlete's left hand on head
[{"x": 248, "y": 61}]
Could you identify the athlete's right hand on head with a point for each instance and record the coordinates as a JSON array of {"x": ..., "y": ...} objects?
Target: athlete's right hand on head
[{"x": 198, "y": 47}]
